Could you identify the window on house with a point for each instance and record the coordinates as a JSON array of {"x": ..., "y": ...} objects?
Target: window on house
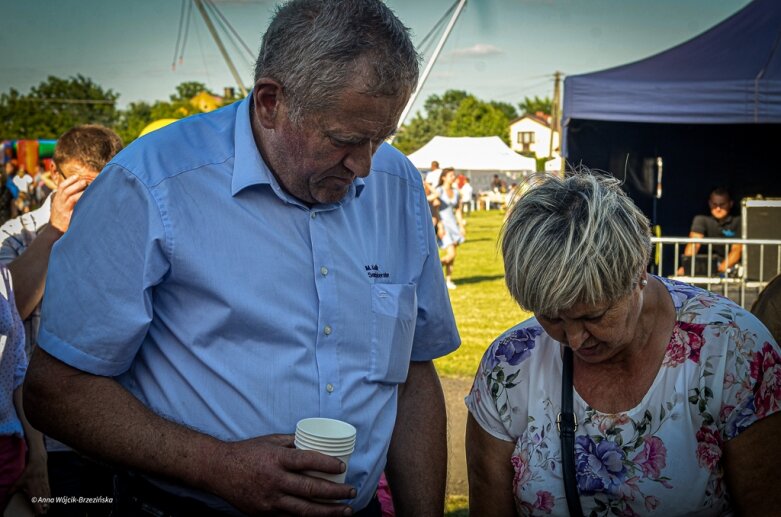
[{"x": 526, "y": 139}]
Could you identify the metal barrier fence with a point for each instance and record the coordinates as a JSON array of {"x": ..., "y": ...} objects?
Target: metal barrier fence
[{"x": 760, "y": 261}]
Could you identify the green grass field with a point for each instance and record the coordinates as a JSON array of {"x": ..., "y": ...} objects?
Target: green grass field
[{"x": 481, "y": 303}]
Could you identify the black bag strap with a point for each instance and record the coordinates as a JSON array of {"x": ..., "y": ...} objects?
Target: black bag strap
[{"x": 567, "y": 424}]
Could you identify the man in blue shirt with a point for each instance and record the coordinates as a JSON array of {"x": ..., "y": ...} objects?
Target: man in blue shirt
[{"x": 253, "y": 266}]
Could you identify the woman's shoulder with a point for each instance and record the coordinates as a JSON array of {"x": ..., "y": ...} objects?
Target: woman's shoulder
[
  {"x": 517, "y": 345},
  {"x": 515, "y": 369},
  {"x": 712, "y": 330},
  {"x": 694, "y": 305}
]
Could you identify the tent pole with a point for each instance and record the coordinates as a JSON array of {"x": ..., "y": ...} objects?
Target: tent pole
[
  {"x": 221, "y": 47},
  {"x": 430, "y": 64}
]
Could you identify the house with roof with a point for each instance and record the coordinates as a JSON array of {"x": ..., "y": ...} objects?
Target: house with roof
[{"x": 531, "y": 134}]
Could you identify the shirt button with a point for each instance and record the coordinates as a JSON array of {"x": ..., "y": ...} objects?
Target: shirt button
[
  {"x": 329, "y": 388},
  {"x": 323, "y": 270},
  {"x": 313, "y": 215},
  {"x": 327, "y": 330}
]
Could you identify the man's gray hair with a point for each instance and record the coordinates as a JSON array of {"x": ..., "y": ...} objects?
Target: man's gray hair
[
  {"x": 575, "y": 240},
  {"x": 314, "y": 48}
]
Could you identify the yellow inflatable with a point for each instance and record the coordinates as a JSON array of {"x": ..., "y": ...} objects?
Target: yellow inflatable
[{"x": 157, "y": 124}]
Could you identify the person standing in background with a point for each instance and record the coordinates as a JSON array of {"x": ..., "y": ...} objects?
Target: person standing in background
[
  {"x": 432, "y": 176},
  {"x": 452, "y": 221},
  {"x": 467, "y": 195}
]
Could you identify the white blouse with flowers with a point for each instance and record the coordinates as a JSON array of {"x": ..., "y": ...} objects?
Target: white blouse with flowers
[{"x": 721, "y": 373}]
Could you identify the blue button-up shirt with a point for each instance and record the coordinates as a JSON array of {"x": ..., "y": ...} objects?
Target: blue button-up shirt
[{"x": 222, "y": 302}]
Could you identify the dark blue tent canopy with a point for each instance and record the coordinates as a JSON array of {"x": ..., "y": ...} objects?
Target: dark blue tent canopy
[
  {"x": 708, "y": 109},
  {"x": 730, "y": 74}
]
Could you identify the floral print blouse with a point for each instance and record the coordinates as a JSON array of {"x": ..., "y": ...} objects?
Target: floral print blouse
[{"x": 720, "y": 374}]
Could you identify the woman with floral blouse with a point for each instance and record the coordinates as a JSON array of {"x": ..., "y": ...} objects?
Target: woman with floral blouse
[{"x": 677, "y": 390}]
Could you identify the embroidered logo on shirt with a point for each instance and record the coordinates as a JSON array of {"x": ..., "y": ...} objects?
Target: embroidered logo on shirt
[{"x": 373, "y": 270}]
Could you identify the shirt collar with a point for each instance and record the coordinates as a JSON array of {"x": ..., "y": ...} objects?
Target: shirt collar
[
  {"x": 248, "y": 165},
  {"x": 250, "y": 169}
]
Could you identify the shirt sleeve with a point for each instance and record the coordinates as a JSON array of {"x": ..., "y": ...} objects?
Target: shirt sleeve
[
  {"x": 436, "y": 334},
  {"x": 699, "y": 225},
  {"x": 97, "y": 307},
  {"x": 11, "y": 241},
  {"x": 752, "y": 377},
  {"x": 483, "y": 397}
]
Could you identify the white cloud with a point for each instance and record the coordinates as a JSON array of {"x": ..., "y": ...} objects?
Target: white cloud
[{"x": 477, "y": 50}]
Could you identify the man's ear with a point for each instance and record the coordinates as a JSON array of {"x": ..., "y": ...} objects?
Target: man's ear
[
  {"x": 55, "y": 174},
  {"x": 267, "y": 96}
]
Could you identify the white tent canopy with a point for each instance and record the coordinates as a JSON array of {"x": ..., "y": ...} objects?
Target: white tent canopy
[{"x": 466, "y": 153}]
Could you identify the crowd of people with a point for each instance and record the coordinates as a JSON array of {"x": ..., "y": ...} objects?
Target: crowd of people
[
  {"x": 173, "y": 309},
  {"x": 22, "y": 191}
]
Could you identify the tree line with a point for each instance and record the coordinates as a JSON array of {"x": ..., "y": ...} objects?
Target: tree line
[{"x": 56, "y": 105}]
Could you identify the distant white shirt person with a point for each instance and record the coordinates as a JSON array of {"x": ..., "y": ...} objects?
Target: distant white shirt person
[
  {"x": 467, "y": 195},
  {"x": 432, "y": 176}
]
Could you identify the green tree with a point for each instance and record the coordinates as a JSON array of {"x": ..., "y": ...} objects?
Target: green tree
[
  {"x": 530, "y": 106},
  {"x": 439, "y": 112},
  {"x": 455, "y": 113},
  {"x": 189, "y": 89},
  {"x": 505, "y": 107},
  {"x": 477, "y": 118},
  {"x": 133, "y": 120},
  {"x": 54, "y": 106},
  {"x": 140, "y": 114}
]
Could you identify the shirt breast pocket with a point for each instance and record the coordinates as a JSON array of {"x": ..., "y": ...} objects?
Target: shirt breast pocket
[{"x": 394, "y": 312}]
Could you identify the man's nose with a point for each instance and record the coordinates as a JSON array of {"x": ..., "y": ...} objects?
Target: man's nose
[
  {"x": 359, "y": 161},
  {"x": 576, "y": 334}
]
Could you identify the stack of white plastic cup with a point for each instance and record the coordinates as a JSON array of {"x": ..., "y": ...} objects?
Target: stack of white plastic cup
[{"x": 327, "y": 436}]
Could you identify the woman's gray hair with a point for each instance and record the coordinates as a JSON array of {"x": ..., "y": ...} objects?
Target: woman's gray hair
[
  {"x": 575, "y": 240},
  {"x": 314, "y": 48}
]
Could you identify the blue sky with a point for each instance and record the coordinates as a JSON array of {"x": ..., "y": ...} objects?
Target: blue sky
[{"x": 499, "y": 50}]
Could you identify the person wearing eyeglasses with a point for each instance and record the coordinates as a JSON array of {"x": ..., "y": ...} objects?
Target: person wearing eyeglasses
[{"x": 719, "y": 224}]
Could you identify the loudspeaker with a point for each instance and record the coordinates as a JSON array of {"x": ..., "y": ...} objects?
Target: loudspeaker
[{"x": 761, "y": 219}]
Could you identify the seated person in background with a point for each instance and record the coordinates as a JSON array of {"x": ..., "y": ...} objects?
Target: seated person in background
[{"x": 718, "y": 225}]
